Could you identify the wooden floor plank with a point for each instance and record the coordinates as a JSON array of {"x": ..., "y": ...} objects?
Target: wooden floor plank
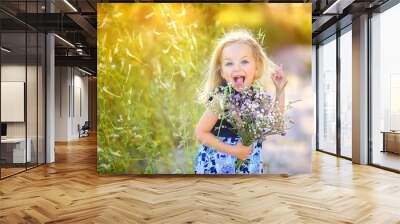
[{"x": 70, "y": 191}]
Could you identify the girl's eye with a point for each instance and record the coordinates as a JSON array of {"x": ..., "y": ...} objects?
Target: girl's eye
[
  {"x": 245, "y": 62},
  {"x": 228, "y": 64}
]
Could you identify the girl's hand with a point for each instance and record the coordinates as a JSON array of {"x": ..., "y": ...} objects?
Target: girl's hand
[
  {"x": 241, "y": 151},
  {"x": 279, "y": 78}
]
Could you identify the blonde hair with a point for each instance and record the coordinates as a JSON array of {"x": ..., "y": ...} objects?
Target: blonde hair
[{"x": 264, "y": 65}]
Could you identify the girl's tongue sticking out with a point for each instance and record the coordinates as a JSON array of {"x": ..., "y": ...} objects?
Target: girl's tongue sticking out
[{"x": 239, "y": 82}]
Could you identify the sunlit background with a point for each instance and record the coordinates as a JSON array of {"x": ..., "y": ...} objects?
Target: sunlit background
[{"x": 152, "y": 59}]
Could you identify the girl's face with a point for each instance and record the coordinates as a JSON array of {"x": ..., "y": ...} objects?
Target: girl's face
[{"x": 238, "y": 65}]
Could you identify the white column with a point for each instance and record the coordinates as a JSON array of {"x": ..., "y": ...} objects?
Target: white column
[
  {"x": 50, "y": 94},
  {"x": 360, "y": 90}
]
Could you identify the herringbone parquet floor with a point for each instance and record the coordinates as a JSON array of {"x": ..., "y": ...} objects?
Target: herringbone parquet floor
[{"x": 70, "y": 191}]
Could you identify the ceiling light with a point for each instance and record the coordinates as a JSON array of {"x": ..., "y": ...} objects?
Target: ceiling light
[
  {"x": 84, "y": 71},
  {"x": 70, "y": 5},
  {"x": 337, "y": 7},
  {"x": 5, "y": 50},
  {"x": 79, "y": 51},
  {"x": 65, "y": 41}
]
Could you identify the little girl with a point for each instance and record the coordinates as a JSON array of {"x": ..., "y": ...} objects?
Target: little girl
[{"x": 238, "y": 59}]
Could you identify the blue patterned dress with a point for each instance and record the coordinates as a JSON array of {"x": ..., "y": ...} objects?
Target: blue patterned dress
[{"x": 211, "y": 161}]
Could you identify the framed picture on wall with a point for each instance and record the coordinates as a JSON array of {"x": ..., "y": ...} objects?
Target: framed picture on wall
[{"x": 12, "y": 101}]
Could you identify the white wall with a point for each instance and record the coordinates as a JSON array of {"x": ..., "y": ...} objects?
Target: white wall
[
  {"x": 70, "y": 84},
  {"x": 62, "y": 81},
  {"x": 13, "y": 73},
  {"x": 80, "y": 100}
]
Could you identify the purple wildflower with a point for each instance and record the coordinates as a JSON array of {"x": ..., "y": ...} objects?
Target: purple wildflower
[
  {"x": 253, "y": 115},
  {"x": 237, "y": 97}
]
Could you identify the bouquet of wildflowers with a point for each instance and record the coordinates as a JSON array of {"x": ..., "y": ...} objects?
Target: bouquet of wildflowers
[{"x": 253, "y": 113}]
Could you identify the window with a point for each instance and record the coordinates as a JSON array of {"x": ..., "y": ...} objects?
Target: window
[
  {"x": 327, "y": 96},
  {"x": 385, "y": 88},
  {"x": 22, "y": 78},
  {"x": 346, "y": 92}
]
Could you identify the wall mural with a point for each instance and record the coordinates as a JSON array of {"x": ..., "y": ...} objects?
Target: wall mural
[{"x": 204, "y": 88}]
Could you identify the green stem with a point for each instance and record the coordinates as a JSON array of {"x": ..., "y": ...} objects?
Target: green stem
[
  {"x": 239, "y": 163},
  {"x": 223, "y": 114}
]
